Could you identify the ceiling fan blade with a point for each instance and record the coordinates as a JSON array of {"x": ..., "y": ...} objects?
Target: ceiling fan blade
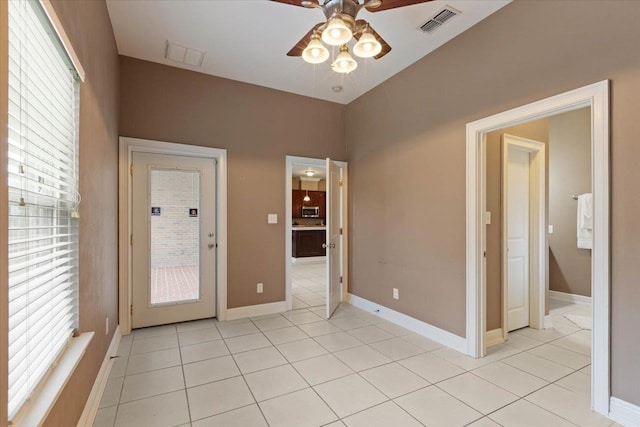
[
  {"x": 301, "y": 3},
  {"x": 304, "y": 41},
  {"x": 361, "y": 23},
  {"x": 392, "y": 4}
]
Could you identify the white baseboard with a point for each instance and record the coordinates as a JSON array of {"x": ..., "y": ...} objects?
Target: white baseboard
[
  {"x": 493, "y": 337},
  {"x": 624, "y": 413},
  {"x": 309, "y": 260},
  {"x": 93, "y": 402},
  {"x": 256, "y": 310},
  {"x": 572, "y": 298},
  {"x": 419, "y": 327}
]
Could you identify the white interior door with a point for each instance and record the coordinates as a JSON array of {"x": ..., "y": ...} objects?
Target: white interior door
[
  {"x": 517, "y": 238},
  {"x": 173, "y": 239},
  {"x": 333, "y": 245}
]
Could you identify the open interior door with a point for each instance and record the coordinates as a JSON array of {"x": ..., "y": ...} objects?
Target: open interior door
[{"x": 333, "y": 245}]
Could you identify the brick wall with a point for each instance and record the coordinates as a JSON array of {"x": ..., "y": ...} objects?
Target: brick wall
[{"x": 174, "y": 235}]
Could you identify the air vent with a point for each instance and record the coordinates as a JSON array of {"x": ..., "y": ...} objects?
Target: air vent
[
  {"x": 439, "y": 19},
  {"x": 186, "y": 55}
]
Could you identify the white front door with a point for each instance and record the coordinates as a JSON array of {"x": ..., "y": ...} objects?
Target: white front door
[
  {"x": 334, "y": 243},
  {"x": 173, "y": 239},
  {"x": 517, "y": 238}
]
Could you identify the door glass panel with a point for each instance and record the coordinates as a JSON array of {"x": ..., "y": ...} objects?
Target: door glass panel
[{"x": 175, "y": 236}]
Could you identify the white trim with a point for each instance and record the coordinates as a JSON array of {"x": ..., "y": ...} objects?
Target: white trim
[
  {"x": 35, "y": 411},
  {"x": 595, "y": 96},
  {"x": 537, "y": 230},
  {"x": 256, "y": 310},
  {"x": 309, "y": 260},
  {"x": 572, "y": 298},
  {"x": 418, "y": 326},
  {"x": 494, "y": 337},
  {"x": 93, "y": 402},
  {"x": 318, "y": 163},
  {"x": 127, "y": 147},
  {"x": 62, "y": 35},
  {"x": 624, "y": 413}
]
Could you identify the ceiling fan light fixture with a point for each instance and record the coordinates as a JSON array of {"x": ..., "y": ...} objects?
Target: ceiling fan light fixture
[
  {"x": 337, "y": 32},
  {"x": 315, "y": 52},
  {"x": 344, "y": 62},
  {"x": 368, "y": 46}
]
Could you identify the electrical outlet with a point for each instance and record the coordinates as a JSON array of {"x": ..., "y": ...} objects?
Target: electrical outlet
[
  {"x": 395, "y": 293},
  {"x": 260, "y": 288},
  {"x": 106, "y": 326}
]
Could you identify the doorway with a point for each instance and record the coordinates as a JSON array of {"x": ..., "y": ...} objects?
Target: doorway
[
  {"x": 172, "y": 233},
  {"x": 173, "y": 245},
  {"x": 596, "y": 97},
  {"x": 316, "y": 246}
]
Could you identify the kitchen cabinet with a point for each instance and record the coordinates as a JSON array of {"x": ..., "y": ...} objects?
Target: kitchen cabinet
[
  {"x": 318, "y": 198},
  {"x": 306, "y": 243}
]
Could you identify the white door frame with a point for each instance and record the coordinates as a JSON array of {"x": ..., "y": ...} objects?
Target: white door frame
[
  {"x": 127, "y": 147},
  {"x": 595, "y": 96},
  {"x": 537, "y": 234},
  {"x": 288, "y": 229}
]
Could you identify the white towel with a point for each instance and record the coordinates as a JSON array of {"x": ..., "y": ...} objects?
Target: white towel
[
  {"x": 585, "y": 210},
  {"x": 585, "y": 221}
]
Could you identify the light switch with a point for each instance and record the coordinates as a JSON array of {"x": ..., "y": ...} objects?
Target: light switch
[
  {"x": 272, "y": 218},
  {"x": 487, "y": 218},
  {"x": 550, "y": 229}
]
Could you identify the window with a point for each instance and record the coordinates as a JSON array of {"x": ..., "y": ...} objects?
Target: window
[{"x": 43, "y": 198}]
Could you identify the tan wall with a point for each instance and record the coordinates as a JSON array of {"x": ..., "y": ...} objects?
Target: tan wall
[
  {"x": 258, "y": 127},
  {"x": 309, "y": 185},
  {"x": 537, "y": 130},
  {"x": 295, "y": 183},
  {"x": 89, "y": 28},
  {"x": 569, "y": 174},
  {"x": 407, "y": 167}
]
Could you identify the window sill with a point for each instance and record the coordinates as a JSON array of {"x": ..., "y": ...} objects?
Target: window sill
[{"x": 35, "y": 411}]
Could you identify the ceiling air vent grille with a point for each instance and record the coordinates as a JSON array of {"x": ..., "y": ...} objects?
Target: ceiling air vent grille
[{"x": 439, "y": 19}]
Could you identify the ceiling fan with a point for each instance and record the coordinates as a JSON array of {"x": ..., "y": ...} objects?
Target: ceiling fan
[{"x": 338, "y": 29}]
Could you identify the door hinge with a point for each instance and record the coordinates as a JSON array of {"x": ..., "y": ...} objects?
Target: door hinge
[
  {"x": 131, "y": 309},
  {"x": 340, "y": 279},
  {"x": 131, "y": 170},
  {"x": 131, "y": 240},
  {"x": 484, "y": 254},
  {"x": 341, "y": 231},
  {"x": 340, "y": 183}
]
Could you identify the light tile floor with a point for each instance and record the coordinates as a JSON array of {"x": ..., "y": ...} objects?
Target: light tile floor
[
  {"x": 309, "y": 284},
  {"x": 297, "y": 369}
]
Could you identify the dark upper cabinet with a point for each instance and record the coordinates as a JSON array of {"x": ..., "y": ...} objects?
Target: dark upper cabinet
[{"x": 318, "y": 198}]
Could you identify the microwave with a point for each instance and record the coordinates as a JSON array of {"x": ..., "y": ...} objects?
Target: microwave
[{"x": 310, "y": 212}]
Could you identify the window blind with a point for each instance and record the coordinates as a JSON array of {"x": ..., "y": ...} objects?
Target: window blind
[{"x": 43, "y": 198}]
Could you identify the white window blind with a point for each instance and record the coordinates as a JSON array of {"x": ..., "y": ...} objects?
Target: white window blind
[{"x": 43, "y": 198}]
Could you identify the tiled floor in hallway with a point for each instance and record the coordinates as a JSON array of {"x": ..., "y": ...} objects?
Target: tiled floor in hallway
[
  {"x": 297, "y": 369},
  {"x": 309, "y": 283}
]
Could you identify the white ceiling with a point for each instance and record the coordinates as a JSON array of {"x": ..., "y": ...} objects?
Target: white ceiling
[
  {"x": 298, "y": 171},
  {"x": 247, "y": 40}
]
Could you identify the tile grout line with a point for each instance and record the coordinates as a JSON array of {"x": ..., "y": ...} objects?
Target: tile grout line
[{"x": 301, "y": 376}]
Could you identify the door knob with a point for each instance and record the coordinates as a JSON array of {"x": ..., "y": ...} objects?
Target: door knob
[
  {"x": 211, "y": 245},
  {"x": 324, "y": 246},
  {"x": 332, "y": 246}
]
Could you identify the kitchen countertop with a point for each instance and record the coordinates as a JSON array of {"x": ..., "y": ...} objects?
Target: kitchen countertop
[{"x": 308, "y": 227}]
